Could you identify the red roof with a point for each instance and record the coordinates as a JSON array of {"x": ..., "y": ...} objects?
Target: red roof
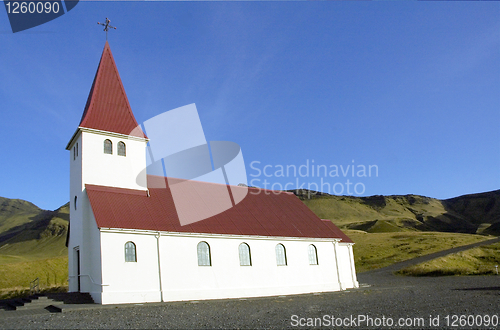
[
  {"x": 107, "y": 107},
  {"x": 259, "y": 213}
]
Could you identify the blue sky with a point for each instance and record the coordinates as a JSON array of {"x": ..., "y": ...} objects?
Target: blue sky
[{"x": 410, "y": 87}]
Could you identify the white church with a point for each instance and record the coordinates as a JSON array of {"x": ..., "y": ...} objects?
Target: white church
[{"x": 127, "y": 245}]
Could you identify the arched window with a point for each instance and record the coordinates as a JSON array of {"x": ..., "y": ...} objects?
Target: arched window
[
  {"x": 108, "y": 147},
  {"x": 122, "y": 151},
  {"x": 75, "y": 202},
  {"x": 130, "y": 254},
  {"x": 313, "y": 255},
  {"x": 204, "y": 254},
  {"x": 245, "y": 259},
  {"x": 280, "y": 255}
]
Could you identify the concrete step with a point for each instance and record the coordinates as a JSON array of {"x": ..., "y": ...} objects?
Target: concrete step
[
  {"x": 35, "y": 304},
  {"x": 6, "y": 307},
  {"x": 13, "y": 304},
  {"x": 72, "y": 297},
  {"x": 54, "y": 309},
  {"x": 46, "y": 302}
]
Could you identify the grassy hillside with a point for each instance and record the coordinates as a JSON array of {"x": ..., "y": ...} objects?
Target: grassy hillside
[
  {"x": 389, "y": 229},
  {"x": 478, "y": 261},
  {"x": 31, "y": 246},
  {"x": 43, "y": 237},
  {"x": 15, "y": 213},
  {"x": 376, "y": 250},
  {"x": 477, "y": 213}
]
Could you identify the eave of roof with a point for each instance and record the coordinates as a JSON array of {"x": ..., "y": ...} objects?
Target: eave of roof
[
  {"x": 189, "y": 234},
  {"x": 79, "y": 130}
]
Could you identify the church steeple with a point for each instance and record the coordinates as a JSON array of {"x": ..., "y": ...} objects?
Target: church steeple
[
  {"x": 106, "y": 150},
  {"x": 108, "y": 147},
  {"x": 107, "y": 107}
]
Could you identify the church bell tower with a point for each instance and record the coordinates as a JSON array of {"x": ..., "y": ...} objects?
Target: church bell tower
[{"x": 107, "y": 149}]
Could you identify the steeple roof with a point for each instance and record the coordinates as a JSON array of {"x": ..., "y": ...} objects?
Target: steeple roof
[{"x": 107, "y": 107}]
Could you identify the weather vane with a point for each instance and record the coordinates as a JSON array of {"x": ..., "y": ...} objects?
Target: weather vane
[{"x": 107, "y": 27}]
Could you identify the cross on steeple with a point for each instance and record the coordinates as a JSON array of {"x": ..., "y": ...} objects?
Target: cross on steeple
[{"x": 106, "y": 26}]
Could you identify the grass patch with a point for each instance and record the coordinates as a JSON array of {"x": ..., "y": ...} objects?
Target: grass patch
[
  {"x": 52, "y": 272},
  {"x": 377, "y": 250},
  {"x": 477, "y": 261}
]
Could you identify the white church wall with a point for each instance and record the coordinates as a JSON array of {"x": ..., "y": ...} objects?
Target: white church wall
[
  {"x": 355, "y": 282},
  {"x": 90, "y": 165},
  {"x": 110, "y": 169},
  {"x": 346, "y": 266},
  {"x": 90, "y": 253},
  {"x": 75, "y": 238},
  {"x": 183, "y": 279},
  {"x": 227, "y": 279},
  {"x": 129, "y": 282}
]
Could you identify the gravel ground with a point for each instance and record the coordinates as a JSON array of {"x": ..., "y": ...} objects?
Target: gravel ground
[{"x": 388, "y": 298}]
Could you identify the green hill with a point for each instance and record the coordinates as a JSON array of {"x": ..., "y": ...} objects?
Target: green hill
[
  {"x": 34, "y": 236},
  {"x": 16, "y": 212},
  {"x": 32, "y": 244},
  {"x": 475, "y": 213}
]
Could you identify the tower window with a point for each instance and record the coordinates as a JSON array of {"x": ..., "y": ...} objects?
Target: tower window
[
  {"x": 75, "y": 151},
  {"x": 108, "y": 147},
  {"x": 313, "y": 255},
  {"x": 245, "y": 259},
  {"x": 122, "y": 151},
  {"x": 130, "y": 254},
  {"x": 76, "y": 199},
  {"x": 280, "y": 255},
  {"x": 204, "y": 254}
]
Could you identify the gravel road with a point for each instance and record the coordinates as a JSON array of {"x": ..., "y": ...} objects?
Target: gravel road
[{"x": 387, "y": 301}]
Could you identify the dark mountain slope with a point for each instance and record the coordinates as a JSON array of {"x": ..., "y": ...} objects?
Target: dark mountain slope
[{"x": 478, "y": 209}]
